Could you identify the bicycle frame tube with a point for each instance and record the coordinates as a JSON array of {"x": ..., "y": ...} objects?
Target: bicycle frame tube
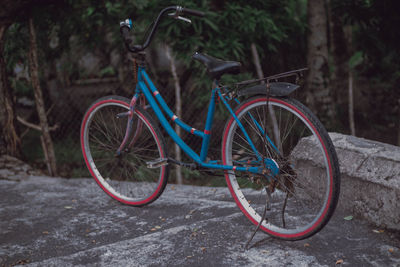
[
  {"x": 240, "y": 125},
  {"x": 207, "y": 130},
  {"x": 129, "y": 125},
  {"x": 142, "y": 88},
  {"x": 146, "y": 86},
  {"x": 165, "y": 107}
]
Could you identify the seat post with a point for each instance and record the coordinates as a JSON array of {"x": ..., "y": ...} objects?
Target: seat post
[
  {"x": 209, "y": 123},
  {"x": 215, "y": 84}
]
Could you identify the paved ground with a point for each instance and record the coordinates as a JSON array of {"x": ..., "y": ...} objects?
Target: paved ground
[{"x": 59, "y": 222}]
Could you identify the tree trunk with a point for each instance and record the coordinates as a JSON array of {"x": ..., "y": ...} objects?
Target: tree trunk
[
  {"x": 351, "y": 105},
  {"x": 178, "y": 106},
  {"x": 256, "y": 61},
  {"x": 319, "y": 96},
  {"x": 260, "y": 74},
  {"x": 398, "y": 120},
  {"x": 339, "y": 52},
  {"x": 340, "y": 57},
  {"x": 349, "y": 35},
  {"x": 34, "y": 73},
  {"x": 9, "y": 142}
]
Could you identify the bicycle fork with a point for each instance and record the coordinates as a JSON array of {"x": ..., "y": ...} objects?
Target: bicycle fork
[{"x": 129, "y": 126}]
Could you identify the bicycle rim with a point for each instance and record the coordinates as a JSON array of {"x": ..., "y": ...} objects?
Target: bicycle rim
[
  {"x": 301, "y": 203},
  {"x": 126, "y": 177}
]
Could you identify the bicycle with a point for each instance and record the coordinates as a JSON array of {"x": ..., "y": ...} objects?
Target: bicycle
[{"x": 126, "y": 154}]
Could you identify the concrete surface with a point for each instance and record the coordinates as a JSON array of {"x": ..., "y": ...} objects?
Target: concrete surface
[
  {"x": 370, "y": 172},
  {"x": 60, "y": 222}
]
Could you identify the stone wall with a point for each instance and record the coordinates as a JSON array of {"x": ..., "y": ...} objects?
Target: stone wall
[{"x": 370, "y": 177}]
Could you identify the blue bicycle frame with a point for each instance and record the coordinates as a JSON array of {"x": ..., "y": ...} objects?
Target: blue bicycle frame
[{"x": 146, "y": 87}]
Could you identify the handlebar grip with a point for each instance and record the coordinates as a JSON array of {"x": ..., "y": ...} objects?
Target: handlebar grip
[
  {"x": 128, "y": 40},
  {"x": 125, "y": 34},
  {"x": 193, "y": 12}
]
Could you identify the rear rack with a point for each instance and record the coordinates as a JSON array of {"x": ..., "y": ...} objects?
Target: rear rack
[{"x": 297, "y": 73}]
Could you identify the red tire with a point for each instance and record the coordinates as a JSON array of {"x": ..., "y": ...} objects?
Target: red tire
[
  {"x": 292, "y": 128},
  {"x": 125, "y": 177}
]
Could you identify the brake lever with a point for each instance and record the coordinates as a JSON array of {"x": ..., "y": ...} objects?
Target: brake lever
[
  {"x": 175, "y": 15},
  {"x": 184, "y": 19}
]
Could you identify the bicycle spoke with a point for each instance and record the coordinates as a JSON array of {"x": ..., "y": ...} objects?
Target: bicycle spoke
[
  {"x": 283, "y": 210},
  {"x": 296, "y": 200},
  {"x": 126, "y": 174}
]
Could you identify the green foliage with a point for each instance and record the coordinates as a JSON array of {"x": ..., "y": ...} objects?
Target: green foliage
[
  {"x": 22, "y": 88},
  {"x": 63, "y": 152},
  {"x": 377, "y": 42},
  {"x": 356, "y": 59},
  {"x": 107, "y": 71},
  {"x": 225, "y": 32},
  {"x": 277, "y": 28},
  {"x": 15, "y": 48},
  {"x": 374, "y": 35},
  {"x": 32, "y": 148}
]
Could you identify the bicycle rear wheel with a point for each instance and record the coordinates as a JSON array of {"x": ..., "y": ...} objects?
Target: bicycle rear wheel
[
  {"x": 124, "y": 177},
  {"x": 302, "y": 198}
]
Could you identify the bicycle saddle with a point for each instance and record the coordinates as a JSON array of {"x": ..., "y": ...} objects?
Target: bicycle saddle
[{"x": 217, "y": 67}]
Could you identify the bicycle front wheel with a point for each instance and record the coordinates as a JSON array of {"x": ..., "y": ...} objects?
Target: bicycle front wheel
[
  {"x": 302, "y": 196},
  {"x": 124, "y": 177}
]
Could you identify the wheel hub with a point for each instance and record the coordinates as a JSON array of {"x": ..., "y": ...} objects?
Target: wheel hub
[{"x": 272, "y": 168}]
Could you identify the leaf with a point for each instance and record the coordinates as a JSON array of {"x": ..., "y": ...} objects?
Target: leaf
[
  {"x": 24, "y": 261},
  {"x": 90, "y": 11},
  {"x": 193, "y": 234},
  {"x": 67, "y": 207},
  {"x": 348, "y": 218},
  {"x": 306, "y": 245},
  {"x": 391, "y": 250},
  {"x": 107, "y": 71},
  {"x": 211, "y": 24},
  {"x": 340, "y": 261},
  {"x": 356, "y": 59}
]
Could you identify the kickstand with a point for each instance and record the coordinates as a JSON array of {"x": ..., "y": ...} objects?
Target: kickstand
[{"x": 267, "y": 206}]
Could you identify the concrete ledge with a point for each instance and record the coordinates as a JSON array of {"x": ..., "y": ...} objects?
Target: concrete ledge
[{"x": 370, "y": 173}]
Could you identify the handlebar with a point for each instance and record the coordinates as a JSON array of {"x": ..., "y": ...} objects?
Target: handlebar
[
  {"x": 126, "y": 26},
  {"x": 193, "y": 12}
]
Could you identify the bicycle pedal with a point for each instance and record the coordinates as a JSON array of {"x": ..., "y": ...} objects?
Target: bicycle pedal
[{"x": 157, "y": 163}]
